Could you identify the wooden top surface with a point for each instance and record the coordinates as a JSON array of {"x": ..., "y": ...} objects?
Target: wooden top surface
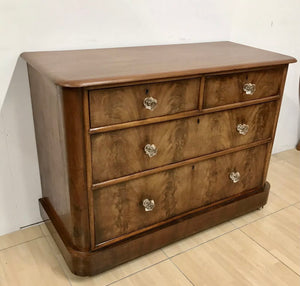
[{"x": 82, "y": 68}]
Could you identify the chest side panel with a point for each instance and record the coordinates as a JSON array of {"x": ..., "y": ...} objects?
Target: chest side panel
[{"x": 58, "y": 122}]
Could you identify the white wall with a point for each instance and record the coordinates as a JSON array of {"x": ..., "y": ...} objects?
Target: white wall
[
  {"x": 275, "y": 25},
  {"x": 50, "y": 25},
  {"x": 19, "y": 175}
]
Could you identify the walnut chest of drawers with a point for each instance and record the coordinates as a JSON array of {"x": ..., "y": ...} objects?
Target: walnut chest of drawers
[{"x": 140, "y": 147}]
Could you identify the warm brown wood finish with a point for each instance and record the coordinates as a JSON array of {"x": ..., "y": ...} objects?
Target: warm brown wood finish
[
  {"x": 177, "y": 140},
  {"x": 178, "y": 164},
  {"x": 53, "y": 169},
  {"x": 82, "y": 68},
  {"x": 90, "y": 263},
  {"x": 174, "y": 192},
  {"x": 180, "y": 115},
  {"x": 227, "y": 89},
  {"x": 74, "y": 129},
  {"x": 61, "y": 153},
  {"x": 123, "y": 104},
  {"x": 269, "y": 151},
  {"x": 92, "y": 126}
]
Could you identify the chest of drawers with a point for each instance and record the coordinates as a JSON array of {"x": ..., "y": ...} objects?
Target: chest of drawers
[{"x": 140, "y": 147}]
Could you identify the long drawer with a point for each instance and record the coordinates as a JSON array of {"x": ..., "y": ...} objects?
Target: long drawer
[
  {"x": 123, "y": 152},
  {"x": 122, "y": 208},
  {"x": 243, "y": 86},
  {"x": 129, "y": 103}
]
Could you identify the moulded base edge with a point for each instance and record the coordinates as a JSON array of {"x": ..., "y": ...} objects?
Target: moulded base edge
[{"x": 85, "y": 263}]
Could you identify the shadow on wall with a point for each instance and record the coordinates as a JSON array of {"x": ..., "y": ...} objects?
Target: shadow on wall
[{"x": 19, "y": 175}]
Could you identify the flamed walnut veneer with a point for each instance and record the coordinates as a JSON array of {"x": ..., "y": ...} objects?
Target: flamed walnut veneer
[{"x": 140, "y": 147}]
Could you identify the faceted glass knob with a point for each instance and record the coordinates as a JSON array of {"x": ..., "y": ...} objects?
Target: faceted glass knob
[
  {"x": 150, "y": 103},
  {"x": 235, "y": 177},
  {"x": 150, "y": 150},
  {"x": 249, "y": 88},
  {"x": 148, "y": 205},
  {"x": 242, "y": 128}
]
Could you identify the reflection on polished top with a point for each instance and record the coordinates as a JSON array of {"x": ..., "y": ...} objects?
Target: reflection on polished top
[{"x": 80, "y": 68}]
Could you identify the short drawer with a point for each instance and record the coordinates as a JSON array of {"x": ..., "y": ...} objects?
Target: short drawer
[
  {"x": 123, "y": 208},
  {"x": 123, "y": 152},
  {"x": 124, "y": 104},
  {"x": 238, "y": 87}
]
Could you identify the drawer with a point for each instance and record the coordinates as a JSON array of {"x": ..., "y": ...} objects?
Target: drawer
[
  {"x": 119, "y": 209},
  {"x": 238, "y": 87},
  {"x": 123, "y": 104},
  {"x": 119, "y": 153}
]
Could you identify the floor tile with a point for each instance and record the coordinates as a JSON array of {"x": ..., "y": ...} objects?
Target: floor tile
[
  {"x": 162, "y": 274},
  {"x": 44, "y": 229},
  {"x": 297, "y": 205},
  {"x": 274, "y": 204},
  {"x": 31, "y": 264},
  {"x": 110, "y": 276},
  {"x": 197, "y": 239},
  {"x": 233, "y": 259},
  {"x": 3, "y": 281},
  {"x": 292, "y": 156},
  {"x": 116, "y": 273},
  {"x": 285, "y": 181},
  {"x": 54, "y": 247},
  {"x": 280, "y": 235},
  {"x": 219, "y": 256},
  {"x": 274, "y": 159},
  {"x": 20, "y": 236}
]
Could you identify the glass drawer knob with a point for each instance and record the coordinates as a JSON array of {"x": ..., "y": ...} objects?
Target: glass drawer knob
[
  {"x": 242, "y": 128},
  {"x": 148, "y": 205},
  {"x": 150, "y": 103},
  {"x": 235, "y": 177},
  {"x": 249, "y": 88},
  {"x": 150, "y": 150}
]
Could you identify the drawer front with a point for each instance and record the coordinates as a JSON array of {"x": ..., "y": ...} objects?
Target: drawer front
[
  {"x": 226, "y": 89},
  {"x": 123, "y": 104},
  {"x": 119, "y": 209},
  {"x": 119, "y": 153}
]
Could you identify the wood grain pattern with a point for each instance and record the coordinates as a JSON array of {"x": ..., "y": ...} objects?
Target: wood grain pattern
[
  {"x": 118, "y": 209},
  {"x": 81, "y": 68},
  {"x": 53, "y": 169},
  {"x": 123, "y": 104},
  {"x": 88, "y": 161},
  {"x": 180, "y": 115},
  {"x": 226, "y": 89},
  {"x": 95, "y": 176},
  {"x": 89, "y": 263},
  {"x": 177, "y": 140},
  {"x": 179, "y": 164},
  {"x": 58, "y": 121},
  {"x": 269, "y": 151},
  {"x": 77, "y": 170}
]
